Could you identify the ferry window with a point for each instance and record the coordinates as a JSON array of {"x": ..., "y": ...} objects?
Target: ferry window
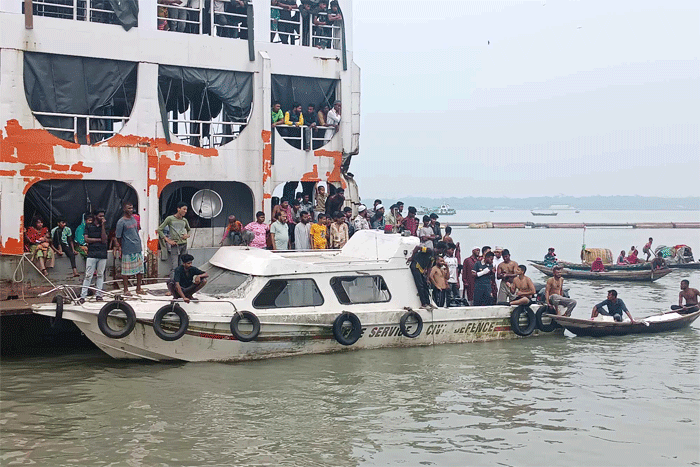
[
  {"x": 79, "y": 99},
  {"x": 360, "y": 289},
  {"x": 207, "y": 108},
  {"x": 229, "y": 17},
  {"x": 123, "y": 12},
  {"x": 318, "y": 93},
  {"x": 285, "y": 293}
]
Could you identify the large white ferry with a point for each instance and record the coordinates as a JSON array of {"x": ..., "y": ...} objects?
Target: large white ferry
[{"x": 152, "y": 102}]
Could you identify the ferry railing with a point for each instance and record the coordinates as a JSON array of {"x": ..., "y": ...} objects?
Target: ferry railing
[
  {"x": 98, "y": 11},
  {"x": 305, "y": 137},
  {"x": 190, "y": 19},
  {"x": 83, "y": 125},
  {"x": 302, "y": 32},
  {"x": 211, "y": 131}
]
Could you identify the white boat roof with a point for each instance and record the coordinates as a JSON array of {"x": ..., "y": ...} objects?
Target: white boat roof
[{"x": 366, "y": 250}]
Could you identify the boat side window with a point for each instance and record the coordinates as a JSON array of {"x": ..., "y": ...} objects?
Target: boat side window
[
  {"x": 285, "y": 293},
  {"x": 360, "y": 289},
  {"x": 222, "y": 282}
]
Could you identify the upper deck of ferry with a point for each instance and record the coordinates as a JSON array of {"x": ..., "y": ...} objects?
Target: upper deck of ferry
[{"x": 100, "y": 96}]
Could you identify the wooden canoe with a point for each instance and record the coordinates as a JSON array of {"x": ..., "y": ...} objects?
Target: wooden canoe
[
  {"x": 639, "y": 276},
  {"x": 652, "y": 324},
  {"x": 622, "y": 267}
]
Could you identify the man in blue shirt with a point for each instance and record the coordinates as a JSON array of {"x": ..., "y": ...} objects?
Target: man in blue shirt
[{"x": 615, "y": 307}]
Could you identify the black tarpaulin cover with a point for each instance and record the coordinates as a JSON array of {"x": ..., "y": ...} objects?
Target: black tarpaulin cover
[
  {"x": 205, "y": 92},
  {"x": 70, "y": 199},
  {"x": 78, "y": 85},
  {"x": 127, "y": 12},
  {"x": 290, "y": 89}
]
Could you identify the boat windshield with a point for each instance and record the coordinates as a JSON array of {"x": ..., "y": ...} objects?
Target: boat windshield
[{"x": 225, "y": 283}]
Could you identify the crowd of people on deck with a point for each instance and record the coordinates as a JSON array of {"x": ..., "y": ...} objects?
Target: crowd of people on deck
[
  {"x": 486, "y": 277},
  {"x": 291, "y": 21},
  {"x": 318, "y": 126}
]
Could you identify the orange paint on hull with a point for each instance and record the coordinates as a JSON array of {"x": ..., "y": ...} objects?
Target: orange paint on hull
[
  {"x": 267, "y": 155},
  {"x": 335, "y": 175},
  {"x": 311, "y": 176},
  {"x": 8, "y": 173}
]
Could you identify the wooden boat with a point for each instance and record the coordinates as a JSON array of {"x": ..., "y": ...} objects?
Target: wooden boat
[
  {"x": 543, "y": 212},
  {"x": 640, "y": 276},
  {"x": 622, "y": 267},
  {"x": 608, "y": 327}
]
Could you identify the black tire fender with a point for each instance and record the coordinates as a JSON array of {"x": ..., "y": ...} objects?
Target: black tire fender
[
  {"x": 419, "y": 324},
  {"x": 355, "y": 332},
  {"x": 110, "y": 307},
  {"x": 250, "y": 316},
  {"x": 515, "y": 320},
  {"x": 158, "y": 322},
  {"x": 544, "y": 310}
]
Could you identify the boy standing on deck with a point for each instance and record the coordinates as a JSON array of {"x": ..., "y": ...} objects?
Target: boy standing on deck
[
  {"x": 178, "y": 233},
  {"x": 439, "y": 274},
  {"x": 129, "y": 244},
  {"x": 319, "y": 233}
]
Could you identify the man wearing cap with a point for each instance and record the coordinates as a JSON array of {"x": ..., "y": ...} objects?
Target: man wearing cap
[
  {"x": 377, "y": 220},
  {"x": 335, "y": 203},
  {"x": 436, "y": 227},
  {"x": 361, "y": 222},
  {"x": 468, "y": 276},
  {"x": 497, "y": 259},
  {"x": 550, "y": 259}
]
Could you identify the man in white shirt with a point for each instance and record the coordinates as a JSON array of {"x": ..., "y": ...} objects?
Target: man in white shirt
[
  {"x": 361, "y": 222},
  {"x": 497, "y": 259},
  {"x": 452, "y": 265},
  {"x": 332, "y": 120},
  {"x": 302, "y": 241}
]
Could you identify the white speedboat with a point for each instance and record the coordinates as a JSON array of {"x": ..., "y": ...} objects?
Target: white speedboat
[{"x": 261, "y": 304}]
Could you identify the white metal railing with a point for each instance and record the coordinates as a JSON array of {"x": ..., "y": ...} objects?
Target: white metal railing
[
  {"x": 305, "y": 33},
  {"x": 211, "y": 138},
  {"x": 98, "y": 11},
  {"x": 80, "y": 124},
  {"x": 305, "y": 137},
  {"x": 190, "y": 19}
]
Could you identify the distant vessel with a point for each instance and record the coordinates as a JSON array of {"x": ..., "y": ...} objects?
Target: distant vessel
[
  {"x": 561, "y": 207},
  {"x": 543, "y": 212},
  {"x": 443, "y": 210}
]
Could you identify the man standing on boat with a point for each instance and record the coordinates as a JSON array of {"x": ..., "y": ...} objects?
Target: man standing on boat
[
  {"x": 178, "y": 233},
  {"x": 361, "y": 221},
  {"x": 615, "y": 307},
  {"x": 302, "y": 231},
  {"x": 420, "y": 262},
  {"x": 279, "y": 231},
  {"x": 647, "y": 248},
  {"x": 468, "y": 275},
  {"x": 483, "y": 294},
  {"x": 554, "y": 293},
  {"x": 129, "y": 244},
  {"x": 691, "y": 298},
  {"x": 410, "y": 222},
  {"x": 96, "y": 240},
  {"x": 426, "y": 234},
  {"x": 335, "y": 203},
  {"x": 436, "y": 227},
  {"x": 506, "y": 272}
]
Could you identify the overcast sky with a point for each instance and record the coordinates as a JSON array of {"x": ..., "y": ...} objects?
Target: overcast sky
[{"x": 573, "y": 97}]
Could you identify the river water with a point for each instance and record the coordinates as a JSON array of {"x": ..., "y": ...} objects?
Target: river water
[{"x": 571, "y": 401}]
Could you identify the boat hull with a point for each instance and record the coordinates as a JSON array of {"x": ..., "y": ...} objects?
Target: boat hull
[
  {"x": 637, "y": 276},
  {"x": 299, "y": 334},
  {"x": 622, "y": 267},
  {"x": 592, "y": 328}
]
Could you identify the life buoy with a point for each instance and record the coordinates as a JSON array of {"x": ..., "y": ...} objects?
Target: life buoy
[
  {"x": 55, "y": 320},
  {"x": 158, "y": 322},
  {"x": 355, "y": 330},
  {"x": 104, "y": 314},
  {"x": 242, "y": 336},
  {"x": 515, "y": 320},
  {"x": 419, "y": 324},
  {"x": 549, "y": 327}
]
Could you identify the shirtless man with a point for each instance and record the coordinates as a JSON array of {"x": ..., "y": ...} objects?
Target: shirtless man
[
  {"x": 524, "y": 286},
  {"x": 439, "y": 275},
  {"x": 647, "y": 248},
  {"x": 554, "y": 293},
  {"x": 691, "y": 298},
  {"x": 506, "y": 272}
]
